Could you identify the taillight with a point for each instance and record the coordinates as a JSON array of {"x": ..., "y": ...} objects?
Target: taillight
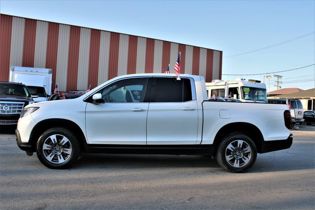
[{"x": 287, "y": 119}]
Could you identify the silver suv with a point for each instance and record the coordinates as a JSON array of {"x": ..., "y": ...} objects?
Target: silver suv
[
  {"x": 13, "y": 98},
  {"x": 295, "y": 106}
]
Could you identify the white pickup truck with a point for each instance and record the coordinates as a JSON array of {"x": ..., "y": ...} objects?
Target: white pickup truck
[{"x": 155, "y": 114}]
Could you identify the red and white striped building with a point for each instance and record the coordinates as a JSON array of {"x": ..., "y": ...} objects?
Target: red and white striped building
[{"x": 80, "y": 56}]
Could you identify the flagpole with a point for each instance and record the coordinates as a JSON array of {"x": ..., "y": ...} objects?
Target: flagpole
[{"x": 177, "y": 66}]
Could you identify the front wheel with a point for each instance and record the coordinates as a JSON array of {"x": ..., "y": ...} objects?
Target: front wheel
[
  {"x": 57, "y": 148},
  {"x": 236, "y": 153}
]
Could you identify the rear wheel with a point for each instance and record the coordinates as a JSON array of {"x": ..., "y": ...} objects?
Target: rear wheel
[
  {"x": 236, "y": 153},
  {"x": 57, "y": 148}
]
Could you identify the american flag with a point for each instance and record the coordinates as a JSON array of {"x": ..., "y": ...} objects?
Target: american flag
[{"x": 177, "y": 65}]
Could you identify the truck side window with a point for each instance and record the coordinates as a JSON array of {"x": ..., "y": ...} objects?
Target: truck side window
[
  {"x": 232, "y": 92},
  {"x": 125, "y": 91},
  {"x": 218, "y": 93},
  {"x": 170, "y": 90}
]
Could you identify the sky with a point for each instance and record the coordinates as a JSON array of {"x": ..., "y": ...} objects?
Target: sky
[{"x": 262, "y": 36}]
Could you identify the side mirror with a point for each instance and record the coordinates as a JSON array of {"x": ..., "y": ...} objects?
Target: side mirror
[{"x": 98, "y": 98}]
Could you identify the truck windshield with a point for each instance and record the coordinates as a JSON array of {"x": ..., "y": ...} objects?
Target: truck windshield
[
  {"x": 37, "y": 91},
  {"x": 14, "y": 90},
  {"x": 254, "y": 94}
]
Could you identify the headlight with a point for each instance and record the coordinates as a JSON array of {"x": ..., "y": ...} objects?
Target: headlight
[{"x": 28, "y": 111}]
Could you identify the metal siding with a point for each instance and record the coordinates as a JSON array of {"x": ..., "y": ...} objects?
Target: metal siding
[
  {"x": 17, "y": 39},
  {"x": 216, "y": 65},
  {"x": 132, "y": 55},
  {"x": 52, "y": 50},
  {"x": 5, "y": 41},
  {"x": 166, "y": 55},
  {"x": 182, "y": 50},
  {"x": 29, "y": 42},
  {"x": 41, "y": 44},
  {"x": 78, "y": 60},
  {"x": 113, "y": 55},
  {"x": 203, "y": 62},
  {"x": 188, "y": 59},
  {"x": 73, "y": 59},
  {"x": 173, "y": 56},
  {"x": 123, "y": 54},
  {"x": 94, "y": 58},
  {"x": 195, "y": 62},
  {"x": 141, "y": 46},
  {"x": 62, "y": 56},
  {"x": 221, "y": 63},
  {"x": 103, "y": 57},
  {"x": 209, "y": 65},
  {"x": 157, "y": 62},
  {"x": 149, "y": 56},
  {"x": 83, "y": 63}
]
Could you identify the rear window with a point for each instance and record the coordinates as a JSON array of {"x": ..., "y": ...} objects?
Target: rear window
[
  {"x": 170, "y": 90},
  {"x": 296, "y": 104}
]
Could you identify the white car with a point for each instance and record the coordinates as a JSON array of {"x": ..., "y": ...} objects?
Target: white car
[{"x": 153, "y": 113}]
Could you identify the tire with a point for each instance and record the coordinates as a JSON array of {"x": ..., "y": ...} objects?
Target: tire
[
  {"x": 58, "y": 148},
  {"x": 236, "y": 153}
]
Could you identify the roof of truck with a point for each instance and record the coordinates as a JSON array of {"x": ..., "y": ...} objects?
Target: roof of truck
[
  {"x": 196, "y": 77},
  {"x": 13, "y": 83}
]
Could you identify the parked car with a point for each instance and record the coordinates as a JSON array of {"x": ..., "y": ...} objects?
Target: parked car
[
  {"x": 295, "y": 106},
  {"x": 13, "y": 98},
  {"x": 153, "y": 113},
  {"x": 38, "y": 93},
  {"x": 309, "y": 117}
]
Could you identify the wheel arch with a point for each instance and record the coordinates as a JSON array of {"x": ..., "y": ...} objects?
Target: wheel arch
[
  {"x": 245, "y": 128},
  {"x": 57, "y": 122}
]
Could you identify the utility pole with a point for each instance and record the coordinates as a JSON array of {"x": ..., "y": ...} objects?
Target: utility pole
[
  {"x": 268, "y": 77},
  {"x": 278, "y": 81}
]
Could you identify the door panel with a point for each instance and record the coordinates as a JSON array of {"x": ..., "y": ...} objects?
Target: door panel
[
  {"x": 172, "y": 123},
  {"x": 173, "y": 113},
  {"x": 116, "y": 123},
  {"x": 121, "y": 119}
]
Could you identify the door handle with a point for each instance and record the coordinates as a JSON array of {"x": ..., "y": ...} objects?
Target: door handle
[
  {"x": 137, "y": 110},
  {"x": 188, "y": 109}
]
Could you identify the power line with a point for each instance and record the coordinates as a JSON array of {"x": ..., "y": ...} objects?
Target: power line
[
  {"x": 272, "y": 45},
  {"x": 300, "y": 76},
  {"x": 272, "y": 72},
  {"x": 298, "y": 81}
]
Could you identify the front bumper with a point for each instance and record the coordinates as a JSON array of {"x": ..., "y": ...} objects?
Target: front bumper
[
  {"x": 269, "y": 146},
  {"x": 27, "y": 147},
  {"x": 9, "y": 119}
]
